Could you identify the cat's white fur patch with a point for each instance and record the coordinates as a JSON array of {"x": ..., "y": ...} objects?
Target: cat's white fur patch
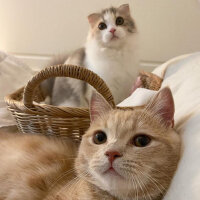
[
  {"x": 118, "y": 66},
  {"x": 117, "y": 60}
]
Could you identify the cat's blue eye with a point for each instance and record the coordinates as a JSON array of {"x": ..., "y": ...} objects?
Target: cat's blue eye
[
  {"x": 119, "y": 21},
  {"x": 102, "y": 26},
  {"x": 141, "y": 140},
  {"x": 99, "y": 137}
]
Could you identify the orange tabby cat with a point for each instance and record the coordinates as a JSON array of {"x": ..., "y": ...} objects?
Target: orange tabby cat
[{"x": 127, "y": 154}]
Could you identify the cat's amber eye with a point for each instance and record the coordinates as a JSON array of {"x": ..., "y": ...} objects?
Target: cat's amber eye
[
  {"x": 119, "y": 21},
  {"x": 102, "y": 26},
  {"x": 99, "y": 137},
  {"x": 141, "y": 140}
]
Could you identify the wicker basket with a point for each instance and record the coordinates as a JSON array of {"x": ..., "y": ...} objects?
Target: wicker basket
[{"x": 32, "y": 117}]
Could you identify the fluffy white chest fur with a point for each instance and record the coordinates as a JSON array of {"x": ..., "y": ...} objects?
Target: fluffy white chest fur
[
  {"x": 110, "y": 51},
  {"x": 117, "y": 66}
]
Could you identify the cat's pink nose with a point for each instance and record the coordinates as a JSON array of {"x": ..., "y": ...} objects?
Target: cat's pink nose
[
  {"x": 112, "y": 155},
  {"x": 112, "y": 30}
]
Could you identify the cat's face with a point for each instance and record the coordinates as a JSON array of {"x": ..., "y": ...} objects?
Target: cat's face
[
  {"x": 112, "y": 27},
  {"x": 131, "y": 153}
]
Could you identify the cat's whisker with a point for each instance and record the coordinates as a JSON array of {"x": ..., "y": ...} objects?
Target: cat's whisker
[
  {"x": 140, "y": 168},
  {"x": 129, "y": 174},
  {"x": 153, "y": 169},
  {"x": 135, "y": 186},
  {"x": 145, "y": 188},
  {"x": 66, "y": 185},
  {"x": 140, "y": 182},
  {"x": 144, "y": 165},
  {"x": 137, "y": 180},
  {"x": 61, "y": 177},
  {"x": 71, "y": 183},
  {"x": 78, "y": 182},
  {"x": 162, "y": 190},
  {"x": 148, "y": 175}
]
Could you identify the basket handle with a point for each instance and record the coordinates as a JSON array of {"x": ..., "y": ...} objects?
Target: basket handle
[{"x": 71, "y": 71}]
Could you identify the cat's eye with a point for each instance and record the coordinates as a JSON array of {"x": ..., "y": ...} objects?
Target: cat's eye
[
  {"x": 141, "y": 140},
  {"x": 99, "y": 137},
  {"x": 102, "y": 26},
  {"x": 119, "y": 21}
]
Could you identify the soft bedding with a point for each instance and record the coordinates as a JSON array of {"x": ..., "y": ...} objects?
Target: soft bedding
[
  {"x": 182, "y": 75},
  {"x": 13, "y": 75}
]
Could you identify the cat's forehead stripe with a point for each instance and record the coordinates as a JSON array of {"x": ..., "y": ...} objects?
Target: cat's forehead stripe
[
  {"x": 110, "y": 10},
  {"x": 108, "y": 18},
  {"x": 119, "y": 118},
  {"x": 108, "y": 13}
]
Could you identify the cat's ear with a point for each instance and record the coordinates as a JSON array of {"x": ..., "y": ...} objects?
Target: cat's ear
[
  {"x": 98, "y": 106},
  {"x": 162, "y": 105},
  {"x": 93, "y": 18},
  {"x": 124, "y": 9}
]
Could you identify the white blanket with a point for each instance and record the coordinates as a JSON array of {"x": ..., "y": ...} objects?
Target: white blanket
[
  {"x": 182, "y": 75},
  {"x": 13, "y": 75}
]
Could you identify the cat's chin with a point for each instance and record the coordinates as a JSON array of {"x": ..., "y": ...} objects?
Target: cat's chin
[
  {"x": 111, "y": 180},
  {"x": 115, "y": 185},
  {"x": 114, "y": 39},
  {"x": 114, "y": 43}
]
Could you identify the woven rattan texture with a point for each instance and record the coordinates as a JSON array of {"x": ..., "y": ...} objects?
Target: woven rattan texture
[{"x": 34, "y": 117}]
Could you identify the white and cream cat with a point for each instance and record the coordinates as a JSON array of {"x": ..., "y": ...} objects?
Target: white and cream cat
[
  {"x": 126, "y": 154},
  {"x": 110, "y": 51}
]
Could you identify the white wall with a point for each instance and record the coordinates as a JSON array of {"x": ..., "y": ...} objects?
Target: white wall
[{"x": 36, "y": 29}]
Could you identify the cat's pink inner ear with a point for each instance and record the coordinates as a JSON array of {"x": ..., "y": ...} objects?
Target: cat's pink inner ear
[
  {"x": 98, "y": 106},
  {"x": 163, "y": 106},
  {"x": 124, "y": 9},
  {"x": 138, "y": 84},
  {"x": 93, "y": 18}
]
